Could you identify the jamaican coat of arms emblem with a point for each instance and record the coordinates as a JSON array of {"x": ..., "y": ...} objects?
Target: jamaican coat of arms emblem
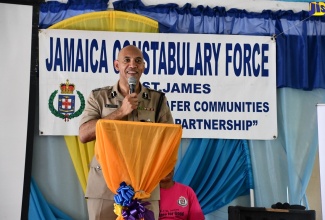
[{"x": 66, "y": 102}]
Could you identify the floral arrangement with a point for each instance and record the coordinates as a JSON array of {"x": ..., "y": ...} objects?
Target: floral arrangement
[{"x": 127, "y": 207}]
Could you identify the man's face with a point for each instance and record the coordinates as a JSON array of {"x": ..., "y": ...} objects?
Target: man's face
[{"x": 130, "y": 63}]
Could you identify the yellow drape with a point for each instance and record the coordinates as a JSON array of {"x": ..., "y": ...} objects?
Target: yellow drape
[
  {"x": 81, "y": 154},
  {"x": 138, "y": 153},
  {"x": 109, "y": 21}
]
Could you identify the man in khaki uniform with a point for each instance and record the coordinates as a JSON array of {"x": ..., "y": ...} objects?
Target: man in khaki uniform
[{"x": 116, "y": 103}]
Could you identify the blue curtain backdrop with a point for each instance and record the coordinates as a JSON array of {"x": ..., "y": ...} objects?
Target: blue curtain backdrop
[
  {"x": 279, "y": 166},
  {"x": 52, "y": 12},
  {"x": 39, "y": 208},
  {"x": 218, "y": 171}
]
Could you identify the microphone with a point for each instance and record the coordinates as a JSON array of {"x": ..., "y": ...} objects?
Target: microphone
[{"x": 132, "y": 83}]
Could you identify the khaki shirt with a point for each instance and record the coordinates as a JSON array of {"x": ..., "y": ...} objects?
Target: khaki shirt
[
  {"x": 103, "y": 101},
  {"x": 106, "y": 100}
]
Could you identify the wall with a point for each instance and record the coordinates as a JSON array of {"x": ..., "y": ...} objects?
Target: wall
[{"x": 15, "y": 44}]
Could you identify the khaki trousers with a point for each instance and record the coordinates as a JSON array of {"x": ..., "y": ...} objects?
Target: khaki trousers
[{"x": 100, "y": 200}]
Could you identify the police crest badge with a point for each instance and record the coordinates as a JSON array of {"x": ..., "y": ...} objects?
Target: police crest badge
[{"x": 66, "y": 102}]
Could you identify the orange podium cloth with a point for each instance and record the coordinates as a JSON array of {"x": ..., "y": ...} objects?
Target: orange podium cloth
[{"x": 138, "y": 153}]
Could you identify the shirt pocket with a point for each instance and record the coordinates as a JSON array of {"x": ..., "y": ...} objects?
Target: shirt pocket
[{"x": 146, "y": 114}]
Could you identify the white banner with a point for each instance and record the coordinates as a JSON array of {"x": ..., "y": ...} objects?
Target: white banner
[{"x": 217, "y": 86}]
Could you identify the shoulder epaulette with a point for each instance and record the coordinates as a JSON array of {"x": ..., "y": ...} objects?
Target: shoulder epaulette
[
  {"x": 95, "y": 90},
  {"x": 152, "y": 90},
  {"x": 103, "y": 88}
]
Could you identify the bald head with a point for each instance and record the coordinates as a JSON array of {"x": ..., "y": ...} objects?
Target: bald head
[{"x": 129, "y": 49}]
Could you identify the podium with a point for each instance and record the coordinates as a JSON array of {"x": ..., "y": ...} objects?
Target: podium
[
  {"x": 261, "y": 213},
  {"x": 137, "y": 153}
]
